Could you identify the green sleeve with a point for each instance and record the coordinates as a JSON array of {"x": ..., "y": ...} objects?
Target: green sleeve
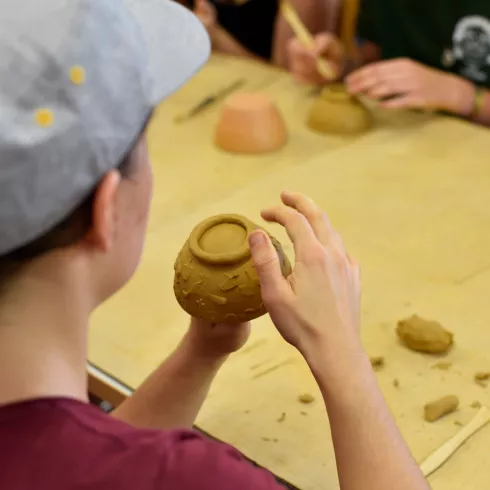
[{"x": 366, "y": 24}]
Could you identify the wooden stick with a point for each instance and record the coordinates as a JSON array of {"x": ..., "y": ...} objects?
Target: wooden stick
[
  {"x": 441, "y": 455},
  {"x": 350, "y": 12},
  {"x": 305, "y": 37}
]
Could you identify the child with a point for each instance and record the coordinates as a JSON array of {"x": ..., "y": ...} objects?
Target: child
[
  {"x": 255, "y": 28},
  {"x": 433, "y": 55},
  {"x": 78, "y": 83}
]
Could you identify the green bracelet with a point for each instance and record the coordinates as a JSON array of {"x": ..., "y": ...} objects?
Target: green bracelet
[{"x": 479, "y": 102}]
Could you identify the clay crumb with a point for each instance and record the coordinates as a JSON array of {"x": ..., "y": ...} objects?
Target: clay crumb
[
  {"x": 246, "y": 411},
  {"x": 304, "y": 413},
  {"x": 282, "y": 418},
  {"x": 306, "y": 398},
  {"x": 425, "y": 336},
  {"x": 266, "y": 439},
  {"x": 475, "y": 404},
  {"x": 458, "y": 423},
  {"x": 377, "y": 362},
  {"x": 275, "y": 440},
  {"x": 443, "y": 366},
  {"x": 481, "y": 383},
  {"x": 482, "y": 376},
  {"x": 439, "y": 408},
  {"x": 396, "y": 383}
]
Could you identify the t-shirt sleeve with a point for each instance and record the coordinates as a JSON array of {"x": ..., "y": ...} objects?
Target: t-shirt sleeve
[
  {"x": 366, "y": 23},
  {"x": 196, "y": 462}
]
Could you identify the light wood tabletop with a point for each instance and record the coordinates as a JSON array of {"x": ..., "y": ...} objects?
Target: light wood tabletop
[{"x": 411, "y": 199}]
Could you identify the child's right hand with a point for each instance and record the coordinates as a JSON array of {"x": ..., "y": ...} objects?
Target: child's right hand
[
  {"x": 317, "y": 308},
  {"x": 302, "y": 61}
]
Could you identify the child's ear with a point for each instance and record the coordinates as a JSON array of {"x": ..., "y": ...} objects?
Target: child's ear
[{"x": 104, "y": 215}]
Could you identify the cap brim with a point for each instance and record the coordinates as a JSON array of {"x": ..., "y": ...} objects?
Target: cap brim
[{"x": 177, "y": 42}]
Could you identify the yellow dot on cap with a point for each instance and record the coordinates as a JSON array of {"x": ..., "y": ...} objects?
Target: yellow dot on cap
[
  {"x": 77, "y": 75},
  {"x": 44, "y": 117}
]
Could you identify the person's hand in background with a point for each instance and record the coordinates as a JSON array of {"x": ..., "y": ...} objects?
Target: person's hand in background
[
  {"x": 404, "y": 84},
  {"x": 206, "y": 12},
  {"x": 302, "y": 60}
]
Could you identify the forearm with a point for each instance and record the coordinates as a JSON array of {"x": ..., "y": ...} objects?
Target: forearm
[
  {"x": 224, "y": 42},
  {"x": 465, "y": 101},
  {"x": 173, "y": 395},
  {"x": 369, "y": 449}
]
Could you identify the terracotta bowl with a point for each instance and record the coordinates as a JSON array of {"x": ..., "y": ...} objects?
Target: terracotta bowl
[
  {"x": 215, "y": 279},
  {"x": 250, "y": 123},
  {"x": 335, "y": 111}
]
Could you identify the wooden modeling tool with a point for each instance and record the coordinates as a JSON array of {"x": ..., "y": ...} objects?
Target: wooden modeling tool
[
  {"x": 350, "y": 11},
  {"x": 305, "y": 37},
  {"x": 441, "y": 455},
  {"x": 209, "y": 100}
]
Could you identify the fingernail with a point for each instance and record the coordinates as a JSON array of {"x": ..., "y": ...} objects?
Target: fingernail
[{"x": 257, "y": 239}]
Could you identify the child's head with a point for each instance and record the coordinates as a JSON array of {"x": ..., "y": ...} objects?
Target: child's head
[{"x": 78, "y": 83}]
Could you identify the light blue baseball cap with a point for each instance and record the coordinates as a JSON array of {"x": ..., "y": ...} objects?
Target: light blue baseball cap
[{"x": 78, "y": 80}]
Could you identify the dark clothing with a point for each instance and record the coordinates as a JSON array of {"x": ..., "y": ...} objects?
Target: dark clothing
[
  {"x": 53, "y": 444},
  {"x": 451, "y": 35},
  {"x": 250, "y": 22}
]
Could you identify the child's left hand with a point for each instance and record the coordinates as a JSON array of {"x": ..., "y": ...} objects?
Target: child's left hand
[
  {"x": 216, "y": 341},
  {"x": 403, "y": 83}
]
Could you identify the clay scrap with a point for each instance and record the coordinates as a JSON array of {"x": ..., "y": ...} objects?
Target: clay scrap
[
  {"x": 442, "y": 366},
  {"x": 306, "y": 398},
  {"x": 425, "y": 336},
  {"x": 482, "y": 376},
  {"x": 439, "y": 408},
  {"x": 215, "y": 279},
  {"x": 377, "y": 362}
]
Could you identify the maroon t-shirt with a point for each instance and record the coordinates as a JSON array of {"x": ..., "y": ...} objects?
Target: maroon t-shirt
[{"x": 53, "y": 444}]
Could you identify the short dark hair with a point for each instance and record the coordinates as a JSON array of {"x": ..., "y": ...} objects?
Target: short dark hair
[{"x": 70, "y": 230}]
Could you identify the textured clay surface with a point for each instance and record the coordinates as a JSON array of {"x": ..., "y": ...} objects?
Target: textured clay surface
[
  {"x": 215, "y": 279},
  {"x": 435, "y": 410},
  {"x": 335, "y": 111},
  {"x": 424, "y": 336}
]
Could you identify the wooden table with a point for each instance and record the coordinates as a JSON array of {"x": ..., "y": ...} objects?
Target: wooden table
[{"x": 412, "y": 201}]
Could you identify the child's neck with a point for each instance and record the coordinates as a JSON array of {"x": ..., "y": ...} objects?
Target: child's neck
[{"x": 43, "y": 329}]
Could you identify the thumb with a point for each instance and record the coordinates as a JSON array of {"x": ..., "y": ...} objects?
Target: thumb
[{"x": 266, "y": 262}]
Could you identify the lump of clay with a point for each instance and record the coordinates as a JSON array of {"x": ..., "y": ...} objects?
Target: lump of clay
[
  {"x": 335, "y": 111},
  {"x": 250, "y": 123},
  {"x": 435, "y": 410},
  {"x": 215, "y": 279},
  {"x": 424, "y": 336}
]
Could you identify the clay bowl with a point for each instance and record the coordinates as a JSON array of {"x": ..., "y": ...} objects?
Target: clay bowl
[
  {"x": 337, "y": 112},
  {"x": 250, "y": 123},
  {"x": 215, "y": 279}
]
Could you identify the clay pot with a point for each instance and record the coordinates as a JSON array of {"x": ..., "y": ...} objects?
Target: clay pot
[
  {"x": 250, "y": 123},
  {"x": 335, "y": 111},
  {"x": 215, "y": 279}
]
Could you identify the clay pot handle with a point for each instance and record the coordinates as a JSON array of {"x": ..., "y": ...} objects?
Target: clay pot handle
[{"x": 238, "y": 255}]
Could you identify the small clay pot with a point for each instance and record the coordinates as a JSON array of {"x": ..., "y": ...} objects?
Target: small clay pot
[
  {"x": 215, "y": 279},
  {"x": 337, "y": 112},
  {"x": 250, "y": 123}
]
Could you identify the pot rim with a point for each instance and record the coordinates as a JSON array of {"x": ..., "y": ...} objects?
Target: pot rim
[{"x": 238, "y": 255}]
